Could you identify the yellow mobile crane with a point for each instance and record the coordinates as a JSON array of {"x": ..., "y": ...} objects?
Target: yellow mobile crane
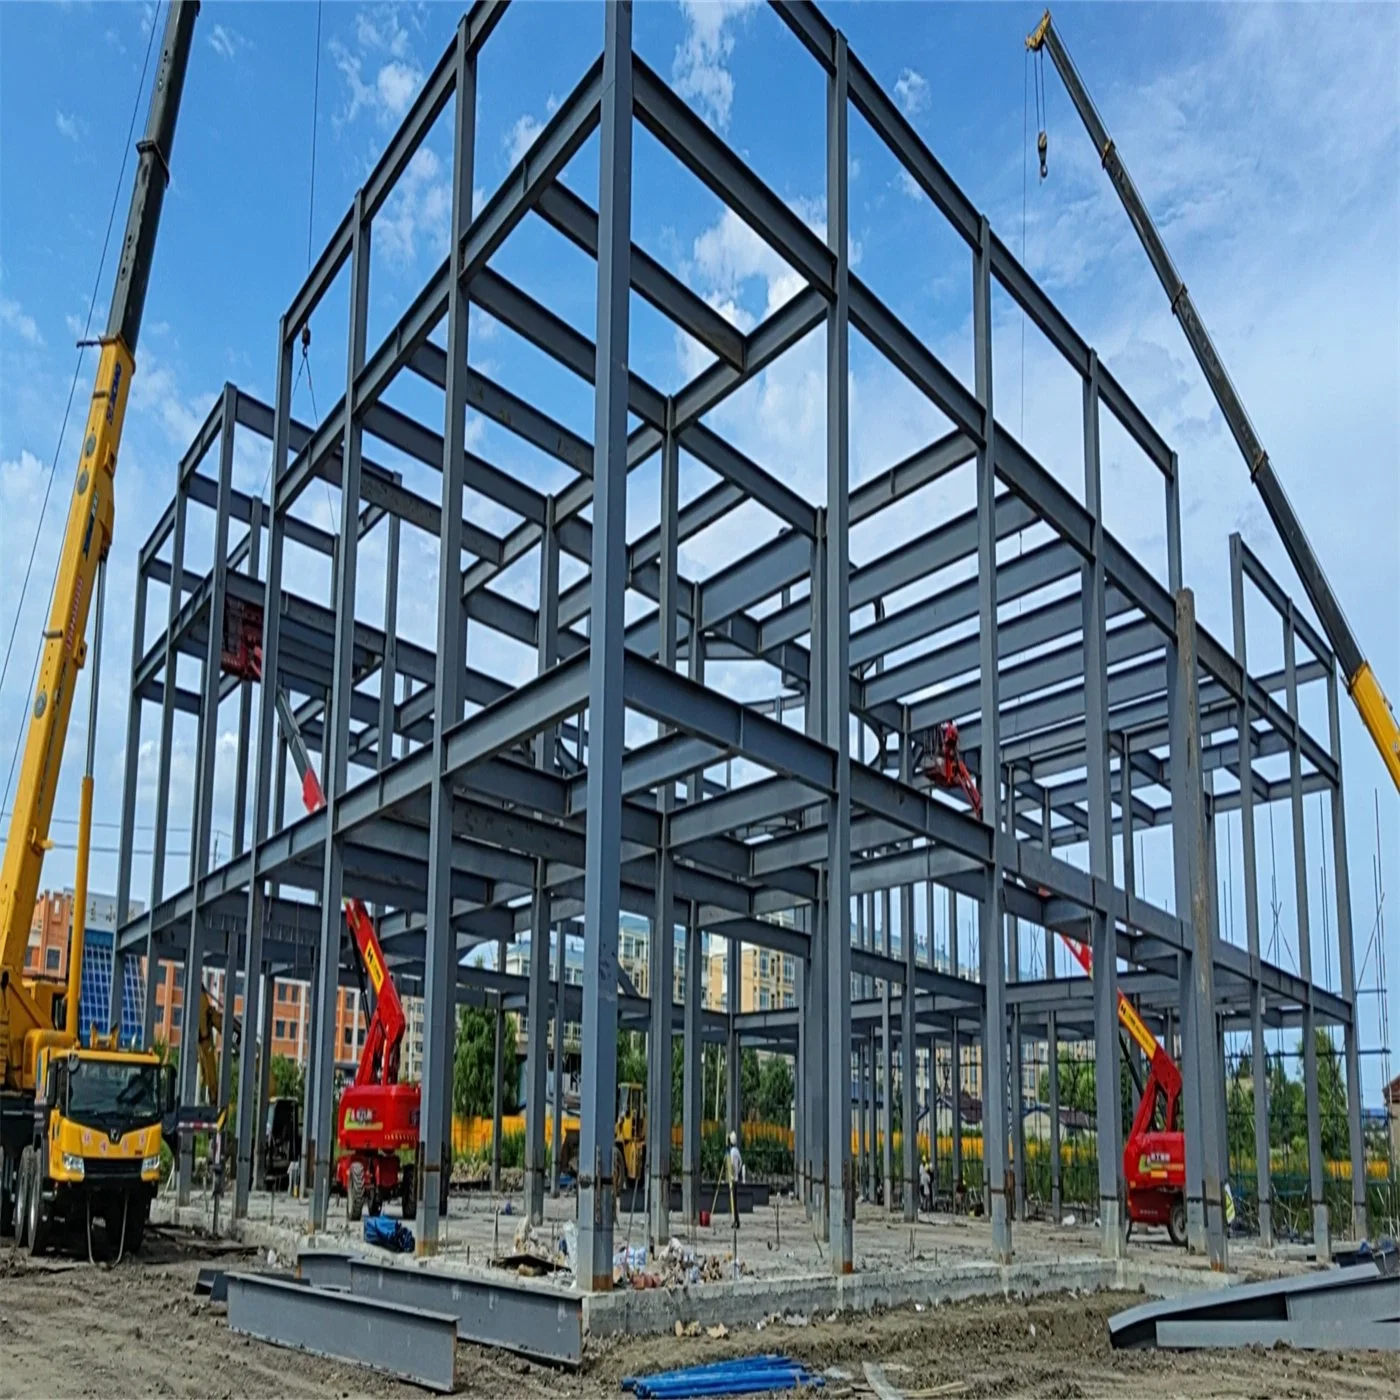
[
  {"x": 1364, "y": 688},
  {"x": 80, "y": 1125}
]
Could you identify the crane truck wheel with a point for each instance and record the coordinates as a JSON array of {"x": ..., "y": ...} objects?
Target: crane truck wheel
[
  {"x": 37, "y": 1213},
  {"x": 409, "y": 1196},
  {"x": 355, "y": 1192},
  {"x": 1176, "y": 1223},
  {"x": 21, "y": 1208},
  {"x": 9, "y": 1169}
]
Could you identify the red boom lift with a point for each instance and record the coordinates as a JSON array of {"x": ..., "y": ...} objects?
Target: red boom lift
[
  {"x": 1154, "y": 1155},
  {"x": 377, "y": 1116}
]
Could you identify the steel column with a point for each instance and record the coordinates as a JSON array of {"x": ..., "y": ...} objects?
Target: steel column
[
  {"x": 1103, "y": 936},
  {"x": 1259, "y": 1057},
  {"x": 204, "y": 794},
  {"x": 336, "y": 741},
  {"x": 1052, "y": 1049},
  {"x": 1346, "y": 961},
  {"x": 663, "y": 923},
  {"x": 1321, "y": 1227},
  {"x": 538, "y": 1046},
  {"x": 605, "y": 685},
  {"x": 993, "y": 959},
  {"x": 130, "y": 779},
  {"x": 556, "y": 1137},
  {"x": 169, "y": 683},
  {"x": 908, "y": 1048},
  {"x": 1201, "y": 1069},
  {"x": 837, "y": 680},
  {"x": 440, "y": 953}
]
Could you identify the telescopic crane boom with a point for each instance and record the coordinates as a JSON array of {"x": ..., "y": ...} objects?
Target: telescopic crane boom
[
  {"x": 86, "y": 540},
  {"x": 1361, "y": 682}
]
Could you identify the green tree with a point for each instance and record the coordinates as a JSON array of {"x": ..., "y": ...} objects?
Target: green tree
[
  {"x": 288, "y": 1079},
  {"x": 677, "y": 1079},
  {"x": 631, "y": 1058},
  {"x": 749, "y": 1077},
  {"x": 773, "y": 1098},
  {"x": 474, "y": 1060}
]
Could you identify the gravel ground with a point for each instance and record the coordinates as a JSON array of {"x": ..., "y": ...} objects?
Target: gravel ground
[{"x": 71, "y": 1328}]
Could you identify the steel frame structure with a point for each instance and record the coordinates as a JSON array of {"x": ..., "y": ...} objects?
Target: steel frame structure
[{"x": 469, "y": 812}]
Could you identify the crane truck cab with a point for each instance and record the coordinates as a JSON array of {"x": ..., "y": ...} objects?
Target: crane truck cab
[{"x": 92, "y": 1149}]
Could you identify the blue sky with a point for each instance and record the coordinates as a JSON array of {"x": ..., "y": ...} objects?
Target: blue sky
[{"x": 1265, "y": 139}]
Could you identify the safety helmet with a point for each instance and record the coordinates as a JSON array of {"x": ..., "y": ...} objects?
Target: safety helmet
[{"x": 733, "y": 1139}]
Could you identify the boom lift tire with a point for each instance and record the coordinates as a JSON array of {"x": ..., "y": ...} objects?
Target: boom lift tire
[
  {"x": 355, "y": 1193},
  {"x": 1176, "y": 1223},
  {"x": 409, "y": 1194}
]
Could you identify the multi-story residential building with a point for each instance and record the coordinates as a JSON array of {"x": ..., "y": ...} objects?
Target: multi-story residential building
[
  {"x": 767, "y": 980},
  {"x": 47, "y": 957},
  {"x": 411, "y": 1057}
]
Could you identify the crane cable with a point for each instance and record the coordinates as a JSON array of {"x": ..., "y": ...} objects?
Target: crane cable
[
  {"x": 68, "y": 408},
  {"x": 1042, "y": 114},
  {"x": 305, "y": 362}
]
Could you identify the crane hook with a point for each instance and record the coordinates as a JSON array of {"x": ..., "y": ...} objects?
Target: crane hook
[{"x": 1042, "y": 145}]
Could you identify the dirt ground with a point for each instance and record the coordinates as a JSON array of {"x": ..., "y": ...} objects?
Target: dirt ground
[{"x": 69, "y": 1328}]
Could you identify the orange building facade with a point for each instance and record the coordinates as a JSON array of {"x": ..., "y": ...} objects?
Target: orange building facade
[{"x": 47, "y": 957}]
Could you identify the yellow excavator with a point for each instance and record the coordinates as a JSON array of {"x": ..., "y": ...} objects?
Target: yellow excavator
[
  {"x": 80, "y": 1124},
  {"x": 211, "y": 1023}
]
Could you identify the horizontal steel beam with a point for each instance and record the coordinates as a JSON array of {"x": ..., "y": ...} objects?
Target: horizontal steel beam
[
  {"x": 404, "y": 1342},
  {"x": 534, "y": 1320}
]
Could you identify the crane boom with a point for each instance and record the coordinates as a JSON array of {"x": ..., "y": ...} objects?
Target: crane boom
[
  {"x": 1362, "y": 685},
  {"x": 87, "y": 538}
]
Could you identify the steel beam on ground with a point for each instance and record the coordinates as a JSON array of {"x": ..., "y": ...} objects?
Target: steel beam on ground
[
  {"x": 406, "y": 1342},
  {"x": 535, "y": 1320}
]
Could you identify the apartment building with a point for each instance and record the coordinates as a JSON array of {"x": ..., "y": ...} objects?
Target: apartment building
[{"x": 767, "y": 980}]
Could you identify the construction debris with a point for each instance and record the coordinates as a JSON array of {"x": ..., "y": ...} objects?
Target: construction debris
[{"x": 674, "y": 1267}]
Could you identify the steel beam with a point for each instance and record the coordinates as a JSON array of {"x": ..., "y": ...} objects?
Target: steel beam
[{"x": 406, "y": 1342}]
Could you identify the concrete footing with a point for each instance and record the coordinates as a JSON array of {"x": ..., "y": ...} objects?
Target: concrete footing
[{"x": 655, "y": 1311}]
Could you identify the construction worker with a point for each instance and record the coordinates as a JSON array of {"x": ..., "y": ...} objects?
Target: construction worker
[
  {"x": 734, "y": 1172},
  {"x": 925, "y": 1185}
]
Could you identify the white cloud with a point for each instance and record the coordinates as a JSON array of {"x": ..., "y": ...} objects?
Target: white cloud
[
  {"x": 226, "y": 41},
  {"x": 381, "y": 74},
  {"x": 396, "y": 85},
  {"x": 381, "y": 31},
  {"x": 911, "y": 92},
  {"x": 908, "y": 185},
  {"x": 13, "y": 315},
  {"x": 69, "y": 126},
  {"x": 419, "y": 212},
  {"x": 521, "y": 137},
  {"x": 699, "y": 71}
]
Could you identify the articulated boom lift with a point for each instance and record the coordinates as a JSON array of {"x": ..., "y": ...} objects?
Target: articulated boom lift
[
  {"x": 1154, "y": 1155},
  {"x": 1364, "y": 688},
  {"x": 377, "y": 1116}
]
